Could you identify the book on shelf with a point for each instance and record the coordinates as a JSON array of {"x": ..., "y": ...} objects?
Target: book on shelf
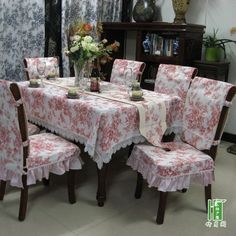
[{"x": 162, "y": 46}]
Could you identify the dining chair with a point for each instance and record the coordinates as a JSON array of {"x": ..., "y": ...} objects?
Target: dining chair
[
  {"x": 175, "y": 165},
  {"x": 122, "y": 67},
  {"x": 174, "y": 80},
  {"x": 30, "y": 65},
  {"x": 26, "y": 159},
  {"x": 51, "y": 66}
]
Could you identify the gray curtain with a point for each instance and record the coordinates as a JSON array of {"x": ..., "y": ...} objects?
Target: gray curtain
[
  {"x": 21, "y": 35},
  {"x": 88, "y": 11}
]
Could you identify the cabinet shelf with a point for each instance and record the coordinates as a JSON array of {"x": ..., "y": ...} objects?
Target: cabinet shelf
[
  {"x": 189, "y": 38},
  {"x": 158, "y": 59}
]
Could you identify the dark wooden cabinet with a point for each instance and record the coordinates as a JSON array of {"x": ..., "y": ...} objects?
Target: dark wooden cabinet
[
  {"x": 164, "y": 37},
  {"x": 213, "y": 70}
]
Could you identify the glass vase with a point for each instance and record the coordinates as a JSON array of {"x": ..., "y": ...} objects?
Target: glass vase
[{"x": 79, "y": 69}]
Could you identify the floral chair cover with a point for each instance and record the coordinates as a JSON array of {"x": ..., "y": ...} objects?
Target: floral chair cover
[
  {"x": 52, "y": 66},
  {"x": 174, "y": 80},
  {"x": 47, "y": 152},
  {"x": 203, "y": 106},
  {"x": 11, "y": 146},
  {"x": 121, "y": 68},
  {"x": 174, "y": 169},
  {"x": 176, "y": 164}
]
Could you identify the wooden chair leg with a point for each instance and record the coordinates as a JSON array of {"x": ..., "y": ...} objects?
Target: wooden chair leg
[
  {"x": 161, "y": 208},
  {"x": 139, "y": 186},
  {"x": 23, "y": 199},
  {"x": 207, "y": 195},
  {"x": 2, "y": 189},
  {"x": 71, "y": 186}
]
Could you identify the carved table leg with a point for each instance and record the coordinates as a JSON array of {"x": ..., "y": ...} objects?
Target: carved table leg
[{"x": 101, "y": 190}]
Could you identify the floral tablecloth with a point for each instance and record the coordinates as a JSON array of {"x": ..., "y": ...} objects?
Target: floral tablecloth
[{"x": 102, "y": 122}]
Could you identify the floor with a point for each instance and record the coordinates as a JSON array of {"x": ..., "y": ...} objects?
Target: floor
[{"x": 49, "y": 213}]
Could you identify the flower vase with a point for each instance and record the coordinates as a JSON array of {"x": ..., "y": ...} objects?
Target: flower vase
[
  {"x": 79, "y": 73},
  {"x": 180, "y": 8}
]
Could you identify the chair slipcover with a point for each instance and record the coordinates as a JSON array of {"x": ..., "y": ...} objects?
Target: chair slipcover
[
  {"x": 52, "y": 66},
  {"x": 174, "y": 80},
  {"x": 121, "y": 67},
  {"x": 176, "y": 164}
]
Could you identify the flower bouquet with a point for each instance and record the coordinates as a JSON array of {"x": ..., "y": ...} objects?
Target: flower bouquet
[{"x": 84, "y": 47}]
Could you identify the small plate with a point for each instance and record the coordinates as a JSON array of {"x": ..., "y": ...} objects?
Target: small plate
[
  {"x": 136, "y": 99},
  {"x": 72, "y": 96},
  {"x": 34, "y": 85}
]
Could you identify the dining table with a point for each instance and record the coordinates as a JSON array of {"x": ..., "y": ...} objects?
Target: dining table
[{"x": 103, "y": 121}]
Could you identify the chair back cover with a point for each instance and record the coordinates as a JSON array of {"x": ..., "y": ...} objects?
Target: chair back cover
[
  {"x": 121, "y": 69},
  {"x": 52, "y": 66},
  {"x": 11, "y": 145},
  {"x": 204, "y": 103},
  {"x": 174, "y": 79}
]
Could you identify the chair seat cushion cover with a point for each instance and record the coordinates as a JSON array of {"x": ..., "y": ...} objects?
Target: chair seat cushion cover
[
  {"x": 48, "y": 154},
  {"x": 172, "y": 167}
]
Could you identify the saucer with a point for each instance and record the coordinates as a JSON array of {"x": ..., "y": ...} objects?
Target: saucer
[
  {"x": 72, "y": 96},
  {"x": 136, "y": 99},
  {"x": 34, "y": 85}
]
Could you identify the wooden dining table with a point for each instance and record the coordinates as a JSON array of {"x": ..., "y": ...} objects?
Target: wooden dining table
[{"x": 104, "y": 122}]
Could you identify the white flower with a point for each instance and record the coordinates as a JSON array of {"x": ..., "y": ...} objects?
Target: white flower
[
  {"x": 88, "y": 39},
  {"x": 94, "y": 47},
  {"x": 104, "y": 41},
  {"x": 74, "y": 49},
  {"x": 77, "y": 37}
]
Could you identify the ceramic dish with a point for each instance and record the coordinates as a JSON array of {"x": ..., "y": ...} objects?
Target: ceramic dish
[
  {"x": 72, "y": 96},
  {"x": 137, "y": 98},
  {"x": 34, "y": 85}
]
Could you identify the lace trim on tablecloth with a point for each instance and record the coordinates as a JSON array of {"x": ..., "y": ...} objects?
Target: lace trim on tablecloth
[
  {"x": 107, "y": 157},
  {"x": 98, "y": 158}
]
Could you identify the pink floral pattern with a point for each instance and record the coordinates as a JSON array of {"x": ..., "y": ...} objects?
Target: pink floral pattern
[
  {"x": 48, "y": 153},
  {"x": 33, "y": 129},
  {"x": 175, "y": 81},
  {"x": 174, "y": 165},
  {"x": 52, "y": 66},
  {"x": 203, "y": 107},
  {"x": 103, "y": 125},
  {"x": 172, "y": 168},
  {"x": 122, "y": 66},
  {"x": 47, "y": 149},
  {"x": 11, "y": 147}
]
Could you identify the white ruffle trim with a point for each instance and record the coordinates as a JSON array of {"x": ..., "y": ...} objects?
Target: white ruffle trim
[
  {"x": 169, "y": 184},
  {"x": 41, "y": 172}
]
